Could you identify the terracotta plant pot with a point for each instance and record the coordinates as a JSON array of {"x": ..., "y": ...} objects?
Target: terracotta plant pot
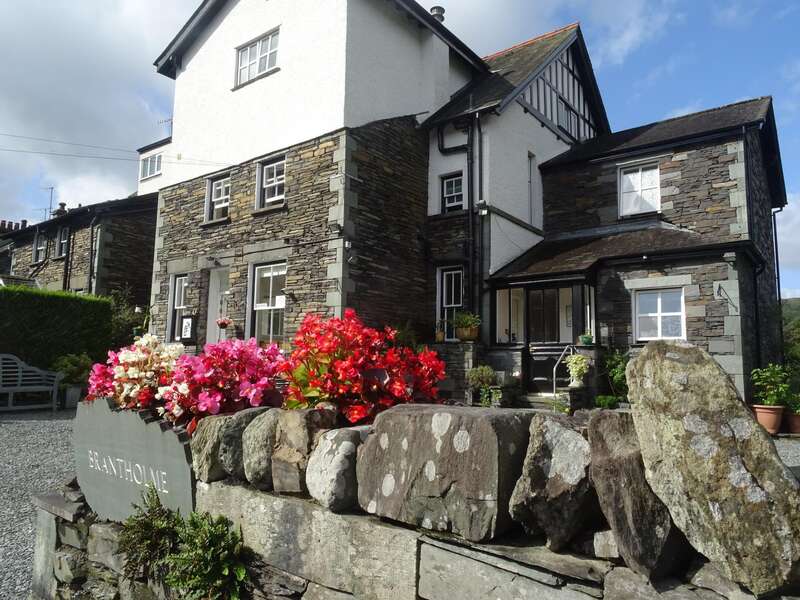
[
  {"x": 769, "y": 417},
  {"x": 794, "y": 422},
  {"x": 467, "y": 334},
  {"x": 439, "y": 337}
]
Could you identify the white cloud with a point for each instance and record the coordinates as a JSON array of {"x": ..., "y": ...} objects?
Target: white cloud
[
  {"x": 81, "y": 72},
  {"x": 787, "y": 293},
  {"x": 734, "y": 13},
  {"x": 788, "y": 226},
  {"x": 686, "y": 109}
]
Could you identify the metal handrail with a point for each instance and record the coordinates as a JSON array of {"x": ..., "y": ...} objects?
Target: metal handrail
[{"x": 571, "y": 350}]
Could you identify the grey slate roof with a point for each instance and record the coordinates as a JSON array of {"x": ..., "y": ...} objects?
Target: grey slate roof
[
  {"x": 557, "y": 257},
  {"x": 509, "y": 68},
  {"x": 670, "y": 130}
]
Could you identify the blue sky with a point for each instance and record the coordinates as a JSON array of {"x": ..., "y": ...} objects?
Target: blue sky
[{"x": 653, "y": 59}]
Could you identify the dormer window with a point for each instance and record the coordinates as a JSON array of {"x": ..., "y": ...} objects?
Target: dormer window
[
  {"x": 639, "y": 189},
  {"x": 151, "y": 166},
  {"x": 258, "y": 57}
]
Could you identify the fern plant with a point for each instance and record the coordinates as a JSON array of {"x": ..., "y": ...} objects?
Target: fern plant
[
  {"x": 210, "y": 561},
  {"x": 148, "y": 536}
]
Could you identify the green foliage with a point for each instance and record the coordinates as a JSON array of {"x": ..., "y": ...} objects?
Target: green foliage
[
  {"x": 210, "y": 562},
  {"x": 125, "y": 321},
  {"x": 148, "y": 537},
  {"x": 614, "y": 366},
  {"x": 608, "y": 402},
  {"x": 491, "y": 395},
  {"x": 771, "y": 385},
  {"x": 578, "y": 366},
  {"x": 559, "y": 406},
  {"x": 406, "y": 336},
  {"x": 75, "y": 367},
  {"x": 794, "y": 403},
  {"x": 465, "y": 320},
  {"x": 38, "y": 326},
  {"x": 481, "y": 377}
]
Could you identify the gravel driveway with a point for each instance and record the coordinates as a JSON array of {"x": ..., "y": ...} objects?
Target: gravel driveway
[{"x": 35, "y": 456}]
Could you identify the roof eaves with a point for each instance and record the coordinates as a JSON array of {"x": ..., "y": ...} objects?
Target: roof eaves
[
  {"x": 165, "y": 63},
  {"x": 156, "y": 144}
]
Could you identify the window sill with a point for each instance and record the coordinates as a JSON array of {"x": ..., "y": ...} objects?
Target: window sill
[
  {"x": 271, "y": 208},
  {"x": 37, "y": 263},
  {"x": 149, "y": 177},
  {"x": 62, "y": 257},
  {"x": 222, "y": 221},
  {"x": 640, "y": 216},
  {"x": 448, "y": 215},
  {"x": 271, "y": 71}
]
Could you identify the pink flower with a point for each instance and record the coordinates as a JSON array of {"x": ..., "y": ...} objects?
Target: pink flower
[{"x": 209, "y": 402}]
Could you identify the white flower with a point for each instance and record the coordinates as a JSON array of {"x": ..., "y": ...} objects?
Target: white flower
[{"x": 183, "y": 389}]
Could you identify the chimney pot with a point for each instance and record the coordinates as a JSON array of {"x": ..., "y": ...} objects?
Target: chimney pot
[
  {"x": 438, "y": 13},
  {"x": 24, "y": 223}
]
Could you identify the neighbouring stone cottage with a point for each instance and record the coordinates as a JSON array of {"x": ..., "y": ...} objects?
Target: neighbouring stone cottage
[
  {"x": 388, "y": 168},
  {"x": 92, "y": 249}
]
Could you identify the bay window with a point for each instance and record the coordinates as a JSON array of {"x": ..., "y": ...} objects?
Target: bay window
[
  {"x": 268, "y": 303},
  {"x": 659, "y": 314}
]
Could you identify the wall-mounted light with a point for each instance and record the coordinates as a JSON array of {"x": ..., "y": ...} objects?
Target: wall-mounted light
[{"x": 483, "y": 212}]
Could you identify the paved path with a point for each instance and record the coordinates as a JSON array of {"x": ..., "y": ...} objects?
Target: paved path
[{"x": 35, "y": 456}]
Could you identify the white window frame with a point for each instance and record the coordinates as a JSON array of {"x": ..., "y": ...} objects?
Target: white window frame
[
  {"x": 270, "y": 180},
  {"x": 62, "y": 241},
  {"x": 447, "y": 204},
  {"x": 250, "y": 56},
  {"x": 659, "y": 314},
  {"x": 150, "y": 166},
  {"x": 39, "y": 247},
  {"x": 180, "y": 285},
  {"x": 447, "y": 307},
  {"x": 221, "y": 185},
  {"x": 624, "y": 169},
  {"x": 274, "y": 269}
]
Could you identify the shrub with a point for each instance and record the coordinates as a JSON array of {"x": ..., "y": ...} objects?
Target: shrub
[
  {"x": 465, "y": 320},
  {"x": 132, "y": 376},
  {"x": 771, "y": 385},
  {"x": 125, "y": 321},
  {"x": 210, "y": 561},
  {"x": 148, "y": 537},
  {"x": 481, "y": 377},
  {"x": 74, "y": 367},
  {"x": 225, "y": 378},
  {"x": 357, "y": 368},
  {"x": 38, "y": 326},
  {"x": 615, "y": 364},
  {"x": 794, "y": 403},
  {"x": 608, "y": 402}
]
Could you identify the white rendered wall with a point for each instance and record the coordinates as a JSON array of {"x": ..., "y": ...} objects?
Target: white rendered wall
[
  {"x": 441, "y": 164},
  {"x": 508, "y": 241},
  {"x": 215, "y": 126}
]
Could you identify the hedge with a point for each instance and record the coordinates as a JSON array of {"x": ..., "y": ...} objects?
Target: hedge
[{"x": 38, "y": 326}]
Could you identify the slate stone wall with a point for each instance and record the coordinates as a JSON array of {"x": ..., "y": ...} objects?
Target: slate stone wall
[
  {"x": 702, "y": 190},
  {"x": 712, "y": 297},
  {"x": 126, "y": 255}
]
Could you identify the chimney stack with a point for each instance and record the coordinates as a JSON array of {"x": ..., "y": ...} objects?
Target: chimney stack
[
  {"x": 61, "y": 210},
  {"x": 438, "y": 13}
]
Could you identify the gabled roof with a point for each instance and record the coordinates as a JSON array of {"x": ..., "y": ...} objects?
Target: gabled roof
[
  {"x": 168, "y": 61},
  {"x": 730, "y": 116},
  {"x": 513, "y": 69},
  {"x": 577, "y": 255}
]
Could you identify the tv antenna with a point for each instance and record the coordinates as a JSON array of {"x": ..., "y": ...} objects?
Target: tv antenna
[{"x": 168, "y": 123}]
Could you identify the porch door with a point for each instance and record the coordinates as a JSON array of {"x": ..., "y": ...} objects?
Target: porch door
[
  {"x": 218, "y": 291},
  {"x": 550, "y": 328}
]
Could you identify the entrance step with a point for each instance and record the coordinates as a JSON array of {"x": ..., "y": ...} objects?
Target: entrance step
[{"x": 543, "y": 401}]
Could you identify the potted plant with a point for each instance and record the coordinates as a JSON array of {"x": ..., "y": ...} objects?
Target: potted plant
[
  {"x": 440, "y": 325},
  {"x": 467, "y": 326},
  {"x": 481, "y": 380},
  {"x": 771, "y": 392},
  {"x": 76, "y": 369},
  {"x": 586, "y": 339},
  {"x": 794, "y": 413},
  {"x": 578, "y": 366}
]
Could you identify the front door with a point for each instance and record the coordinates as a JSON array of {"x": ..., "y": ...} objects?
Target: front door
[
  {"x": 550, "y": 329},
  {"x": 218, "y": 292}
]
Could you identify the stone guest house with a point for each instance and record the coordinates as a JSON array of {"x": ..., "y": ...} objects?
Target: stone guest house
[{"x": 363, "y": 156}]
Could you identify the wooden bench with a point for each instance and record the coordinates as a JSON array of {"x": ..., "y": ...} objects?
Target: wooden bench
[{"x": 17, "y": 377}]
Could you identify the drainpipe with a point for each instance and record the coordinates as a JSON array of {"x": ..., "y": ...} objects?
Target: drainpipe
[
  {"x": 480, "y": 219},
  {"x": 67, "y": 260},
  {"x": 91, "y": 254}
]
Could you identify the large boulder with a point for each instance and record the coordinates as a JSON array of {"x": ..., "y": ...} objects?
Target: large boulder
[
  {"x": 258, "y": 443},
  {"x": 296, "y": 435},
  {"x": 714, "y": 467},
  {"x": 205, "y": 448},
  {"x": 230, "y": 440},
  {"x": 646, "y": 536},
  {"x": 554, "y": 495},
  {"x": 444, "y": 468},
  {"x": 331, "y": 473}
]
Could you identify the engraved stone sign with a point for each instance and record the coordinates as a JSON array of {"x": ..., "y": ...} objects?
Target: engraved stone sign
[{"x": 118, "y": 453}]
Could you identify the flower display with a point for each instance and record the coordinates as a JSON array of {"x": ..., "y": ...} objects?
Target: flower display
[
  {"x": 357, "y": 368},
  {"x": 132, "y": 376},
  {"x": 224, "y": 322},
  {"x": 225, "y": 378}
]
